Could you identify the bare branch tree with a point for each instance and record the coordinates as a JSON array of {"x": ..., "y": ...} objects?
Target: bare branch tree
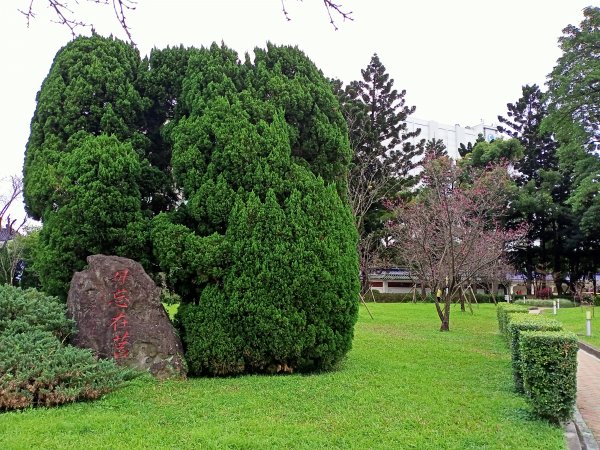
[
  {"x": 11, "y": 252},
  {"x": 332, "y": 10},
  {"x": 14, "y": 191},
  {"x": 450, "y": 235},
  {"x": 66, "y": 14}
]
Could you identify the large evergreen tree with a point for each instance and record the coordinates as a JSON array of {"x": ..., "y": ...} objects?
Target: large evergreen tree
[
  {"x": 384, "y": 152},
  {"x": 262, "y": 251},
  {"x": 260, "y": 246},
  {"x": 523, "y": 121},
  {"x": 574, "y": 119},
  {"x": 541, "y": 199},
  {"x": 87, "y": 172}
]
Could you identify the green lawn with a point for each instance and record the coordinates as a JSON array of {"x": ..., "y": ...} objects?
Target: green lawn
[
  {"x": 404, "y": 385},
  {"x": 573, "y": 319}
]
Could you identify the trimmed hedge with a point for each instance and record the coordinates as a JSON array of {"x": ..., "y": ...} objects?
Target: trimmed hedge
[
  {"x": 36, "y": 369},
  {"x": 503, "y": 311},
  {"x": 398, "y": 297},
  {"x": 564, "y": 303},
  {"x": 408, "y": 297},
  {"x": 517, "y": 324},
  {"x": 549, "y": 370}
]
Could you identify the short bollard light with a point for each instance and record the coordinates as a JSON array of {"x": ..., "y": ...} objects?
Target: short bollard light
[
  {"x": 558, "y": 303},
  {"x": 588, "y": 323},
  {"x": 554, "y": 306}
]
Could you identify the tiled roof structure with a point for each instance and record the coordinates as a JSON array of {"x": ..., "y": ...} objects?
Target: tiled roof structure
[{"x": 395, "y": 273}]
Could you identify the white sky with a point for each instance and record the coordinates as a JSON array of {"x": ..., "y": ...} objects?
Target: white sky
[{"x": 460, "y": 61}]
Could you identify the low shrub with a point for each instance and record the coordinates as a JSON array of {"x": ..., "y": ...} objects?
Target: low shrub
[
  {"x": 25, "y": 310},
  {"x": 398, "y": 297},
  {"x": 502, "y": 312},
  {"x": 516, "y": 325},
  {"x": 407, "y": 297},
  {"x": 564, "y": 303},
  {"x": 549, "y": 370},
  {"x": 36, "y": 368},
  {"x": 597, "y": 300}
]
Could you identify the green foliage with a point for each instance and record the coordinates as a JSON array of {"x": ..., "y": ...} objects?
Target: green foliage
[
  {"x": 408, "y": 297},
  {"x": 564, "y": 303},
  {"x": 516, "y": 325},
  {"x": 25, "y": 310},
  {"x": 572, "y": 83},
  {"x": 435, "y": 148},
  {"x": 87, "y": 171},
  {"x": 98, "y": 211},
  {"x": 260, "y": 247},
  {"x": 503, "y": 311},
  {"x": 496, "y": 151},
  {"x": 91, "y": 88},
  {"x": 383, "y": 156},
  {"x": 549, "y": 370},
  {"x": 573, "y": 118},
  {"x": 397, "y": 297},
  {"x": 36, "y": 368},
  {"x": 30, "y": 244},
  {"x": 262, "y": 252}
]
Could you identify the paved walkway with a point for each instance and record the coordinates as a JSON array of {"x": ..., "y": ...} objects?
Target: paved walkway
[{"x": 588, "y": 390}]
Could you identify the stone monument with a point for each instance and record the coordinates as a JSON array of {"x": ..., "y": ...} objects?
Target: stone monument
[{"x": 118, "y": 313}]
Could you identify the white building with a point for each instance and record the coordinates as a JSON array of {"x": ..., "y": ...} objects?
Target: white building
[{"x": 452, "y": 135}]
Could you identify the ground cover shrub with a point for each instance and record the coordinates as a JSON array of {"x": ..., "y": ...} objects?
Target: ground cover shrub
[
  {"x": 36, "y": 368},
  {"x": 549, "y": 370},
  {"x": 543, "y": 303},
  {"x": 23, "y": 310},
  {"x": 502, "y": 313},
  {"x": 516, "y": 325}
]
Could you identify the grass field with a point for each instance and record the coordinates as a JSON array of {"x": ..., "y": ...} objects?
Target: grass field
[
  {"x": 573, "y": 319},
  {"x": 404, "y": 385}
]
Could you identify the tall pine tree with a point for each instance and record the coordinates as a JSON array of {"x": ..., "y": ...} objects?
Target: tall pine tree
[
  {"x": 384, "y": 151},
  {"x": 574, "y": 119},
  {"x": 540, "y": 201}
]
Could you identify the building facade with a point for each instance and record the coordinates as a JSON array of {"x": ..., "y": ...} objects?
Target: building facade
[{"x": 452, "y": 135}]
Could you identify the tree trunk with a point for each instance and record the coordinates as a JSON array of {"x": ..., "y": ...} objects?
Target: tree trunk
[{"x": 445, "y": 314}]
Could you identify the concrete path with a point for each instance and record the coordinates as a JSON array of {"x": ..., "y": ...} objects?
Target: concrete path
[{"x": 588, "y": 390}]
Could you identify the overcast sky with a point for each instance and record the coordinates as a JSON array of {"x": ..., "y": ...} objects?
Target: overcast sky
[{"x": 460, "y": 61}]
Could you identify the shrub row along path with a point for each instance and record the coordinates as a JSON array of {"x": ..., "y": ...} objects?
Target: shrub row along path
[{"x": 588, "y": 390}]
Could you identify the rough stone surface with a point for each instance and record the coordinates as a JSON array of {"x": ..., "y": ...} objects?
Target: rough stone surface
[{"x": 118, "y": 312}]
